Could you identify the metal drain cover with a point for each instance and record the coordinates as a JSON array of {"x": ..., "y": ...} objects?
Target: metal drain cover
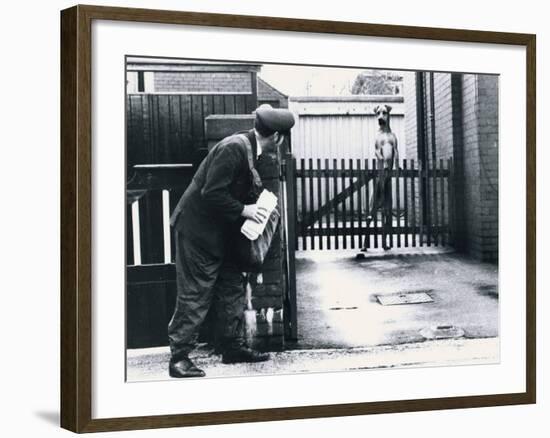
[{"x": 416, "y": 297}]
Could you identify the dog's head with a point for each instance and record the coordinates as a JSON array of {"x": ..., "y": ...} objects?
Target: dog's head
[{"x": 382, "y": 113}]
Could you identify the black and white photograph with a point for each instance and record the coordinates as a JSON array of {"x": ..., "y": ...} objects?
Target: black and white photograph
[
  {"x": 271, "y": 218},
  {"x": 296, "y": 218}
]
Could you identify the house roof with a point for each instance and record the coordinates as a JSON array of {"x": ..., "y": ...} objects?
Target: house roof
[{"x": 265, "y": 91}]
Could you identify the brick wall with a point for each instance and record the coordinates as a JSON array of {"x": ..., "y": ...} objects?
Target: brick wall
[
  {"x": 411, "y": 130},
  {"x": 444, "y": 104},
  {"x": 270, "y": 95},
  {"x": 466, "y": 129},
  {"x": 480, "y": 133},
  {"x": 487, "y": 114},
  {"x": 472, "y": 200},
  {"x": 443, "y": 115},
  {"x": 409, "y": 95},
  {"x": 203, "y": 82}
]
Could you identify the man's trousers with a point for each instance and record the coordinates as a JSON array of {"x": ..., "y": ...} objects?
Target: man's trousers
[{"x": 203, "y": 280}]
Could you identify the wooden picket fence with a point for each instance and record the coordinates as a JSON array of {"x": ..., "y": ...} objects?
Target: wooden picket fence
[{"x": 332, "y": 198}]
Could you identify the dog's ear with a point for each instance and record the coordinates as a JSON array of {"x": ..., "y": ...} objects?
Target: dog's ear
[
  {"x": 388, "y": 108},
  {"x": 376, "y": 108}
]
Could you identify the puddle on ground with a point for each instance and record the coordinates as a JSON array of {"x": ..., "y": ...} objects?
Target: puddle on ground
[
  {"x": 304, "y": 263},
  {"x": 487, "y": 290},
  {"x": 394, "y": 268}
]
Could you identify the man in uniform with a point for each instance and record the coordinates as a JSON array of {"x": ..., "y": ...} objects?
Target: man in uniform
[{"x": 215, "y": 204}]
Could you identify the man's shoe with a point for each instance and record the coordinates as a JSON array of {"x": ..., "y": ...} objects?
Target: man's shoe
[
  {"x": 243, "y": 354},
  {"x": 184, "y": 368}
]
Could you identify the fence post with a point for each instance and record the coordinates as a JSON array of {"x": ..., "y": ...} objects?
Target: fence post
[
  {"x": 442, "y": 234},
  {"x": 397, "y": 205},
  {"x": 452, "y": 205},
  {"x": 413, "y": 203},
  {"x": 422, "y": 197},
  {"x": 289, "y": 215}
]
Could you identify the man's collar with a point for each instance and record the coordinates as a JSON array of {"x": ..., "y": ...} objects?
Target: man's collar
[{"x": 258, "y": 145}]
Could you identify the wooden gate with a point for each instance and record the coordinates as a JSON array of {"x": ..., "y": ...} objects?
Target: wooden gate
[
  {"x": 332, "y": 200},
  {"x": 152, "y": 195}
]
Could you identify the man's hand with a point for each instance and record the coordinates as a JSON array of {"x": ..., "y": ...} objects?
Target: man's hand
[{"x": 252, "y": 211}]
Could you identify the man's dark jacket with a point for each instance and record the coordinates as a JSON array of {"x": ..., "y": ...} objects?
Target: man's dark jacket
[{"x": 209, "y": 211}]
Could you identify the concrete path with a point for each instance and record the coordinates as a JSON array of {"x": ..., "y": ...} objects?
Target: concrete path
[{"x": 151, "y": 363}]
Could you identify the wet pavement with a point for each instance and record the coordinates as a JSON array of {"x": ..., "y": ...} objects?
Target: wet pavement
[
  {"x": 338, "y": 305},
  {"x": 344, "y": 326}
]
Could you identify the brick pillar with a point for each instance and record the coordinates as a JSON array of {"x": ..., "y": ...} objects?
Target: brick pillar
[
  {"x": 267, "y": 296},
  {"x": 487, "y": 111},
  {"x": 466, "y": 111},
  {"x": 480, "y": 139}
]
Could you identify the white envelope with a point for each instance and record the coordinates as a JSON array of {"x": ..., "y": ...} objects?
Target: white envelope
[{"x": 252, "y": 229}]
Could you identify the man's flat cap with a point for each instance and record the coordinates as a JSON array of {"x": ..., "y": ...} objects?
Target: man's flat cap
[{"x": 270, "y": 120}]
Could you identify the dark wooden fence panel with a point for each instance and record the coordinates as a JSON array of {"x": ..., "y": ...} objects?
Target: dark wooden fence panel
[
  {"x": 169, "y": 128},
  {"x": 149, "y": 307},
  {"x": 151, "y": 227}
]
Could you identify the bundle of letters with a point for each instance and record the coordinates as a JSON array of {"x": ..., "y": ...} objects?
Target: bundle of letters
[{"x": 252, "y": 229}]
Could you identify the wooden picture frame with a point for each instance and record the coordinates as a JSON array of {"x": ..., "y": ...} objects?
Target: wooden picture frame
[{"x": 76, "y": 217}]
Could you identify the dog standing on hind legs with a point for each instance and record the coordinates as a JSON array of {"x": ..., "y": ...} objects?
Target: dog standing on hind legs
[{"x": 387, "y": 156}]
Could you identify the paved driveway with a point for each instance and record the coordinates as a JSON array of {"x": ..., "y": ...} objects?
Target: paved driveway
[{"x": 338, "y": 307}]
